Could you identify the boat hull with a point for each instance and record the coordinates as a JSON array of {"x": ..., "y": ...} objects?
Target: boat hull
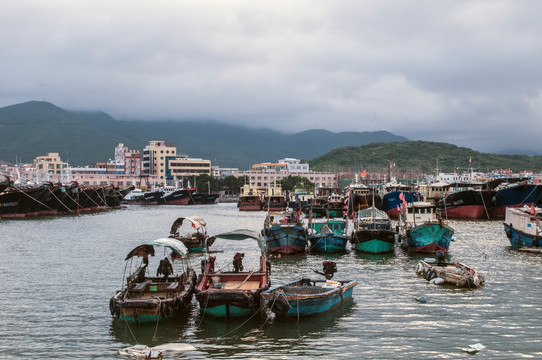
[
  {"x": 285, "y": 239},
  {"x": 373, "y": 241},
  {"x": 328, "y": 243},
  {"x": 428, "y": 237},
  {"x": 305, "y": 298},
  {"x": 154, "y": 300},
  {"x": 456, "y": 274},
  {"x": 519, "y": 238}
]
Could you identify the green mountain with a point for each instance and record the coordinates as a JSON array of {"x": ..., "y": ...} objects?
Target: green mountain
[
  {"x": 36, "y": 128},
  {"x": 420, "y": 156}
]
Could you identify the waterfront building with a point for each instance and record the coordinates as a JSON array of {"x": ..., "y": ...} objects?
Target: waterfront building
[
  {"x": 182, "y": 166},
  {"x": 131, "y": 160},
  {"x": 48, "y": 165},
  {"x": 156, "y": 156}
]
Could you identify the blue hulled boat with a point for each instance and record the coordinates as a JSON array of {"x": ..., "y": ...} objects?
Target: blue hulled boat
[
  {"x": 284, "y": 233},
  {"x": 329, "y": 235},
  {"x": 421, "y": 231},
  {"x": 306, "y": 297},
  {"x": 373, "y": 232},
  {"x": 523, "y": 227}
]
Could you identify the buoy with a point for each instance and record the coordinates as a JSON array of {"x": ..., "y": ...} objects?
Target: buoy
[
  {"x": 421, "y": 299},
  {"x": 437, "y": 281}
]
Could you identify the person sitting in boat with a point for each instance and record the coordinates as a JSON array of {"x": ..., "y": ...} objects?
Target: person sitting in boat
[
  {"x": 238, "y": 262},
  {"x": 165, "y": 268}
]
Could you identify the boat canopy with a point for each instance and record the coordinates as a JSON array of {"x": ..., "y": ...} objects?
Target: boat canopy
[
  {"x": 173, "y": 244},
  {"x": 243, "y": 234},
  {"x": 197, "y": 223},
  {"x": 372, "y": 213}
]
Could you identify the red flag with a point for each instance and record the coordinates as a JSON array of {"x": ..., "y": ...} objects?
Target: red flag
[
  {"x": 363, "y": 173},
  {"x": 532, "y": 210},
  {"x": 401, "y": 196}
]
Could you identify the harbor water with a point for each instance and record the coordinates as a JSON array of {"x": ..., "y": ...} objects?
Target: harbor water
[{"x": 57, "y": 275}]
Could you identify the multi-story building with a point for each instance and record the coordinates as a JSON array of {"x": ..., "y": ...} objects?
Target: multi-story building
[
  {"x": 184, "y": 166},
  {"x": 49, "y": 165},
  {"x": 156, "y": 156},
  {"x": 263, "y": 174},
  {"x": 130, "y": 158}
]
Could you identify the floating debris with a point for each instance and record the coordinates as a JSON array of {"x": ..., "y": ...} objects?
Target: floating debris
[
  {"x": 474, "y": 348},
  {"x": 421, "y": 299},
  {"x": 145, "y": 352}
]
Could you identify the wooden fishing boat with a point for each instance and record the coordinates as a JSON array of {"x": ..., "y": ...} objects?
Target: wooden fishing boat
[
  {"x": 284, "y": 233},
  {"x": 193, "y": 240},
  {"x": 454, "y": 273},
  {"x": 328, "y": 235},
  {"x": 523, "y": 227},
  {"x": 233, "y": 293},
  {"x": 421, "y": 230},
  {"x": 304, "y": 297},
  {"x": 145, "y": 298},
  {"x": 373, "y": 232}
]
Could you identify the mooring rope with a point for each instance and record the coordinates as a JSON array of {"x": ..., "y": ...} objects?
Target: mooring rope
[
  {"x": 33, "y": 198},
  {"x": 60, "y": 201}
]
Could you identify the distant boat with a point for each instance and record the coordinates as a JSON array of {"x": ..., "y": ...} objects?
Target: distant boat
[
  {"x": 523, "y": 227},
  {"x": 373, "y": 232},
  {"x": 328, "y": 235},
  {"x": 301, "y": 196},
  {"x": 139, "y": 197},
  {"x": 420, "y": 230},
  {"x": 197, "y": 198},
  {"x": 176, "y": 196},
  {"x": 391, "y": 201},
  {"x": 274, "y": 199},
  {"x": 470, "y": 203},
  {"x": 284, "y": 233},
  {"x": 146, "y": 298},
  {"x": 305, "y": 297},
  {"x": 250, "y": 198},
  {"x": 515, "y": 194}
]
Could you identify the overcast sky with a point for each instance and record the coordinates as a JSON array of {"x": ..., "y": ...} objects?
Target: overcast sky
[{"x": 462, "y": 72}]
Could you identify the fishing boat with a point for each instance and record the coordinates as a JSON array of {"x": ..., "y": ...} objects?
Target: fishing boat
[
  {"x": 305, "y": 297},
  {"x": 454, "y": 273},
  {"x": 140, "y": 197},
  {"x": 198, "y": 198},
  {"x": 391, "y": 201},
  {"x": 373, "y": 232},
  {"x": 327, "y": 202},
  {"x": 250, "y": 198},
  {"x": 285, "y": 233},
  {"x": 274, "y": 199},
  {"x": 523, "y": 227},
  {"x": 193, "y": 240},
  {"x": 233, "y": 293},
  {"x": 147, "y": 298},
  {"x": 301, "y": 196},
  {"x": 514, "y": 193},
  {"x": 176, "y": 196},
  {"x": 421, "y": 230},
  {"x": 328, "y": 235}
]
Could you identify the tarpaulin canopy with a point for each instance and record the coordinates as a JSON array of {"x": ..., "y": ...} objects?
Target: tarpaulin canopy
[
  {"x": 242, "y": 234},
  {"x": 173, "y": 244},
  {"x": 197, "y": 223}
]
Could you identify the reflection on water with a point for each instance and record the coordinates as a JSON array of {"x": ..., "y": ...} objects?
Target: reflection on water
[{"x": 58, "y": 274}]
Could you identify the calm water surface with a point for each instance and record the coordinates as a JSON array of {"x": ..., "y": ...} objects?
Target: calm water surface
[{"x": 57, "y": 275}]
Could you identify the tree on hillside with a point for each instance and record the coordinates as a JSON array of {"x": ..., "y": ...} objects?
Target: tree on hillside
[{"x": 288, "y": 183}]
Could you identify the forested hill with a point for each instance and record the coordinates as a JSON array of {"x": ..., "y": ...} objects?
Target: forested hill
[
  {"x": 422, "y": 156},
  {"x": 36, "y": 128}
]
